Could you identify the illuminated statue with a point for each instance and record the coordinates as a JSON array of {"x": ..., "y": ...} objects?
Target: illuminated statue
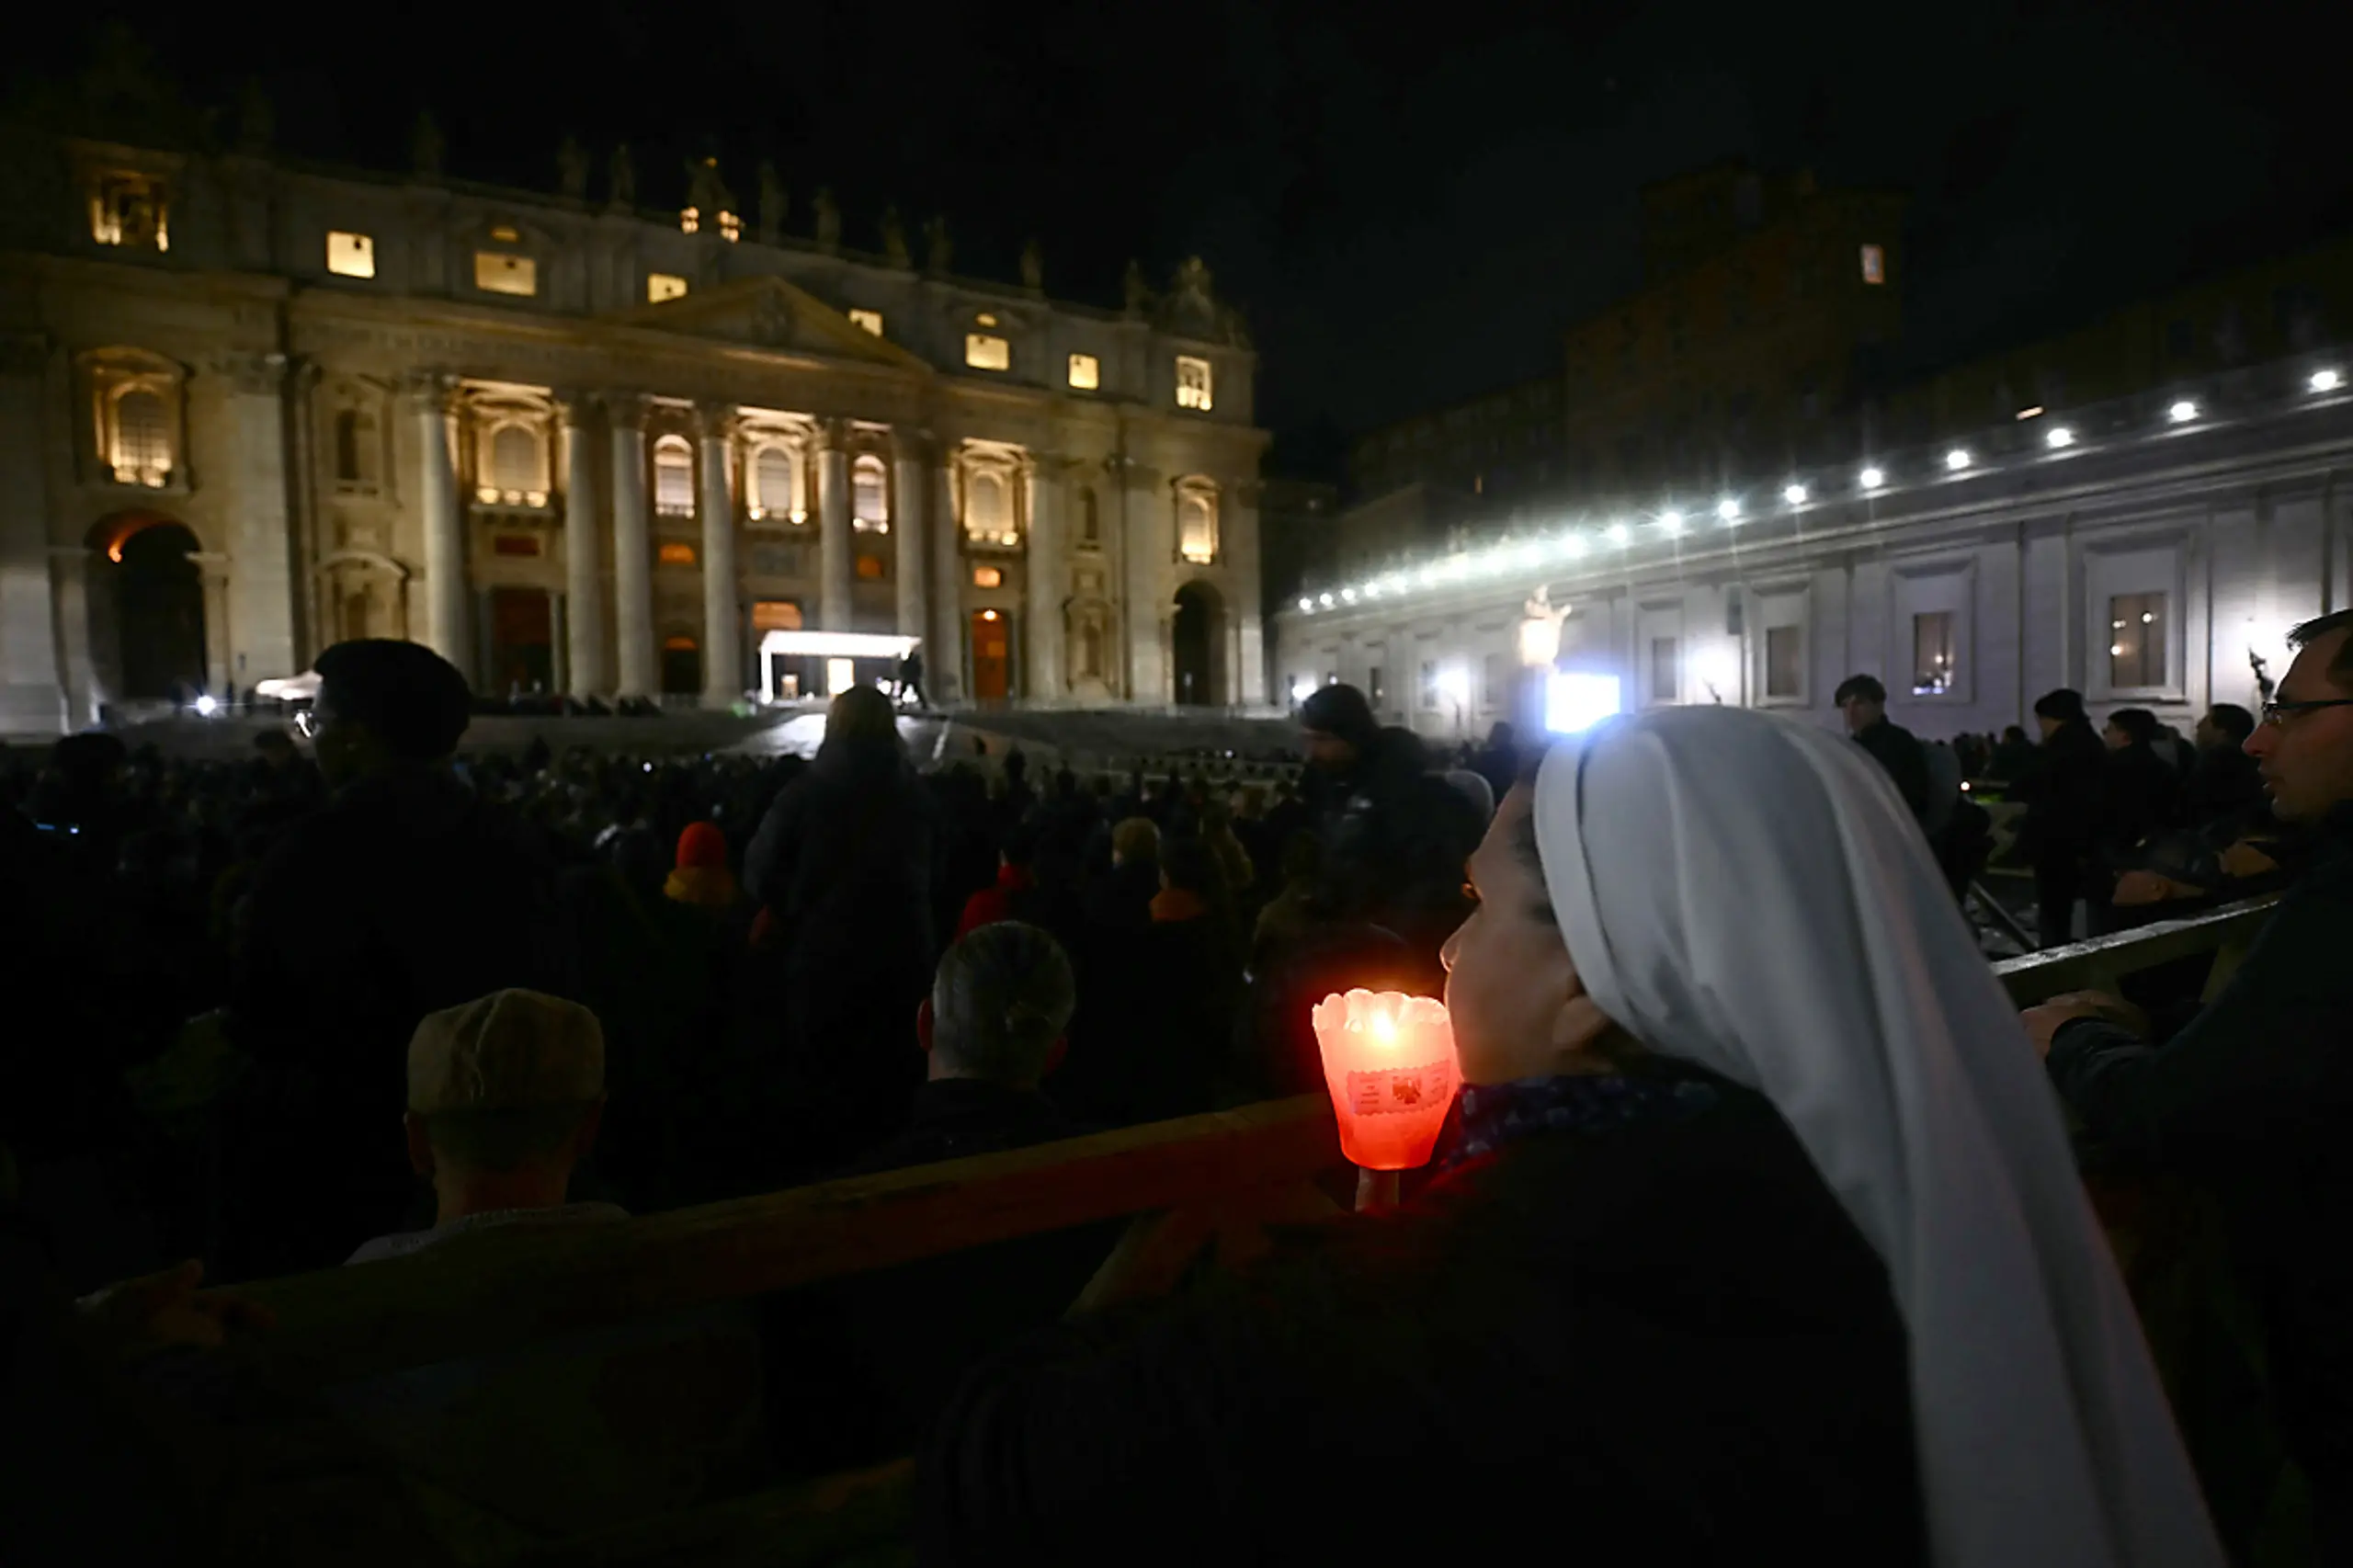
[
  {"x": 1133, "y": 287},
  {"x": 1033, "y": 267},
  {"x": 829, "y": 220},
  {"x": 936, "y": 245},
  {"x": 1540, "y": 629},
  {"x": 624, "y": 177},
  {"x": 772, "y": 203},
  {"x": 572, "y": 169},
  {"x": 425, "y": 146},
  {"x": 894, "y": 236}
]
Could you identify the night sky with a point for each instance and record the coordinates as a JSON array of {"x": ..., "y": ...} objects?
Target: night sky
[{"x": 1409, "y": 204}]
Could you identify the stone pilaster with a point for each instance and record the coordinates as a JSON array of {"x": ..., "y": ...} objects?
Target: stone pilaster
[
  {"x": 944, "y": 658},
  {"x": 632, "y": 549},
  {"x": 584, "y": 635},
  {"x": 33, "y": 699},
  {"x": 1149, "y": 527},
  {"x": 216, "y": 570},
  {"x": 69, "y": 582},
  {"x": 911, "y": 496},
  {"x": 1045, "y": 580},
  {"x": 260, "y": 581},
  {"x": 722, "y": 616},
  {"x": 834, "y": 545},
  {"x": 432, "y": 407}
]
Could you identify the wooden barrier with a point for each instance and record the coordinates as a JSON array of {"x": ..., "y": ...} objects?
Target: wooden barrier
[{"x": 1190, "y": 1183}]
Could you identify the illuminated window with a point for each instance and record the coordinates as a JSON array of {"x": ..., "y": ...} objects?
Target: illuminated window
[
  {"x": 495, "y": 272},
  {"x": 1932, "y": 672},
  {"x": 2136, "y": 641},
  {"x": 1196, "y": 526},
  {"x": 661, "y": 285},
  {"x": 984, "y": 319},
  {"x": 350, "y": 254},
  {"x": 514, "y": 462},
  {"x": 141, "y": 444},
  {"x": 988, "y": 507},
  {"x": 1874, "y": 265},
  {"x": 1429, "y": 686},
  {"x": 1085, "y": 373},
  {"x": 355, "y": 449},
  {"x": 984, "y": 352},
  {"x": 1785, "y": 661},
  {"x": 1192, "y": 382},
  {"x": 776, "y": 615},
  {"x": 690, "y": 221},
  {"x": 870, "y": 319},
  {"x": 674, "y": 477},
  {"x": 870, "y": 495},
  {"x": 869, "y": 568},
  {"x": 987, "y": 577},
  {"x": 676, "y": 553},
  {"x": 775, "y": 490},
  {"x": 506, "y": 232},
  {"x": 130, "y": 210}
]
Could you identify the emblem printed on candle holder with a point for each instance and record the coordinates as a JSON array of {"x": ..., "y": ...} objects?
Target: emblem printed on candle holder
[{"x": 1404, "y": 1089}]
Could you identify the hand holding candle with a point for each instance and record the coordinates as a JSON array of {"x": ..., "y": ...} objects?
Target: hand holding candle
[{"x": 1389, "y": 1064}]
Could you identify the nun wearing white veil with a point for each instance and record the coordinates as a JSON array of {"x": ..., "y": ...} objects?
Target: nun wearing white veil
[
  {"x": 1748, "y": 894},
  {"x": 1753, "y": 1238}
]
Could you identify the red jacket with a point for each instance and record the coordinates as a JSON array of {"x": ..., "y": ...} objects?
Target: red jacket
[{"x": 990, "y": 905}]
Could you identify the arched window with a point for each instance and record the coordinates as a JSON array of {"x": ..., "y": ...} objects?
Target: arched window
[
  {"x": 1090, "y": 522},
  {"x": 870, "y": 495},
  {"x": 142, "y": 437},
  {"x": 988, "y": 506},
  {"x": 1196, "y": 526},
  {"x": 514, "y": 460},
  {"x": 674, "y": 477},
  {"x": 775, "y": 491}
]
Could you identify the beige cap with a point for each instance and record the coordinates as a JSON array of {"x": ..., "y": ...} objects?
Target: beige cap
[{"x": 508, "y": 1051}]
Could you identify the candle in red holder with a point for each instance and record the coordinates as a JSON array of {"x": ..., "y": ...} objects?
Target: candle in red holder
[{"x": 1388, "y": 1062}]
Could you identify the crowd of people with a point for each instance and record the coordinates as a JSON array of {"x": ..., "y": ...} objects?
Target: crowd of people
[{"x": 1745, "y": 1120}]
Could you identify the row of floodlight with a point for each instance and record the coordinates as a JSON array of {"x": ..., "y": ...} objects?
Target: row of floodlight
[{"x": 1672, "y": 523}]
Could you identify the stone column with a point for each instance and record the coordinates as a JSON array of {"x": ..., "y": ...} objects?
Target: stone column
[
  {"x": 218, "y": 675},
  {"x": 835, "y": 575},
  {"x": 1149, "y": 545},
  {"x": 1239, "y": 542},
  {"x": 558, "y": 645},
  {"x": 722, "y": 635},
  {"x": 33, "y": 699},
  {"x": 77, "y": 671},
  {"x": 260, "y": 543},
  {"x": 583, "y": 632},
  {"x": 431, "y": 394},
  {"x": 632, "y": 549},
  {"x": 1044, "y": 583},
  {"x": 910, "y": 496},
  {"x": 943, "y": 660}
]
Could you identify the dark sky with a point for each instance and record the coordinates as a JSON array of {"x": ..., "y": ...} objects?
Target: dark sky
[{"x": 1408, "y": 203}]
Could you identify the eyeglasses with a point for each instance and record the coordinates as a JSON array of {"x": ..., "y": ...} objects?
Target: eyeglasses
[
  {"x": 2276, "y": 714},
  {"x": 306, "y": 723}
]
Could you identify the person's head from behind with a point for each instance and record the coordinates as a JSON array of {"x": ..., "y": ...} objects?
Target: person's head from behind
[
  {"x": 1136, "y": 841},
  {"x": 1862, "y": 701},
  {"x": 1339, "y": 726},
  {"x": 87, "y": 769},
  {"x": 2305, "y": 746},
  {"x": 999, "y": 1004},
  {"x": 1020, "y": 847},
  {"x": 1188, "y": 865},
  {"x": 2224, "y": 724},
  {"x": 2130, "y": 727},
  {"x": 384, "y": 704},
  {"x": 1303, "y": 859},
  {"x": 2014, "y": 735},
  {"x": 858, "y": 719},
  {"x": 505, "y": 1095},
  {"x": 2054, "y": 710}
]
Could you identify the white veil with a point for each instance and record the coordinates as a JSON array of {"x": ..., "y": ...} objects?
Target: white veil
[{"x": 1749, "y": 894}]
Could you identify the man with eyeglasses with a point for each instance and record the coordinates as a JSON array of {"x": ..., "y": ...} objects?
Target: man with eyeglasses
[{"x": 2253, "y": 1100}]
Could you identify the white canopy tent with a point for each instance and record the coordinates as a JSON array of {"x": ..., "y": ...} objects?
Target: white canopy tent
[{"x": 840, "y": 650}]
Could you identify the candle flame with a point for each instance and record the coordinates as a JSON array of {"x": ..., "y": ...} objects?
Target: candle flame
[{"x": 1385, "y": 1027}]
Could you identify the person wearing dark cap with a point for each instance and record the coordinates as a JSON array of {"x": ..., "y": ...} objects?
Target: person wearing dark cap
[
  {"x": 2062, "y": 792},
  {"x": 1396, "y": 834},
  {"x": 406, "y": 894},
  {"x": 1862, "y": 701}
]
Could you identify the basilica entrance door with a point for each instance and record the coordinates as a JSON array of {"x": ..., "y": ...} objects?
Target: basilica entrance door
[{"x": 991, "y": 655}]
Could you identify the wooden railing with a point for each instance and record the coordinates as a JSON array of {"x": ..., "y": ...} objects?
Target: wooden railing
[{"x": 1203, "y": 1181}]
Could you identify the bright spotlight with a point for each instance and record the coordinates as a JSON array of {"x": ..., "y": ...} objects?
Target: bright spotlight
[
  {"x": 2182, "y": 412},
  {"x": 1349, "y": 595},
  {"x": 1307, "y": 604},
  {"x": 1615, "y": 533},
  {"x": 1873, "y": 478},
  {"x": 1575, "y": 702},
  {"x": 207, "y": 707},
  {"x": 2058, "y": 435},
  {"x": 2326, "y": 380},
  {"x": 1670, "y": 522},
  {"x": 1574, "y": 547},
  {"x": 1956, "y": 459},
  {"x": 1325, "y": 599},
  {"x": 1794, "y": 494},
  {"x": 1728, "y": 509}
]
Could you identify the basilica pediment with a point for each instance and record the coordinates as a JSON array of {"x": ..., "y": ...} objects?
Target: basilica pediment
[{"x": 769, "y": 312}]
